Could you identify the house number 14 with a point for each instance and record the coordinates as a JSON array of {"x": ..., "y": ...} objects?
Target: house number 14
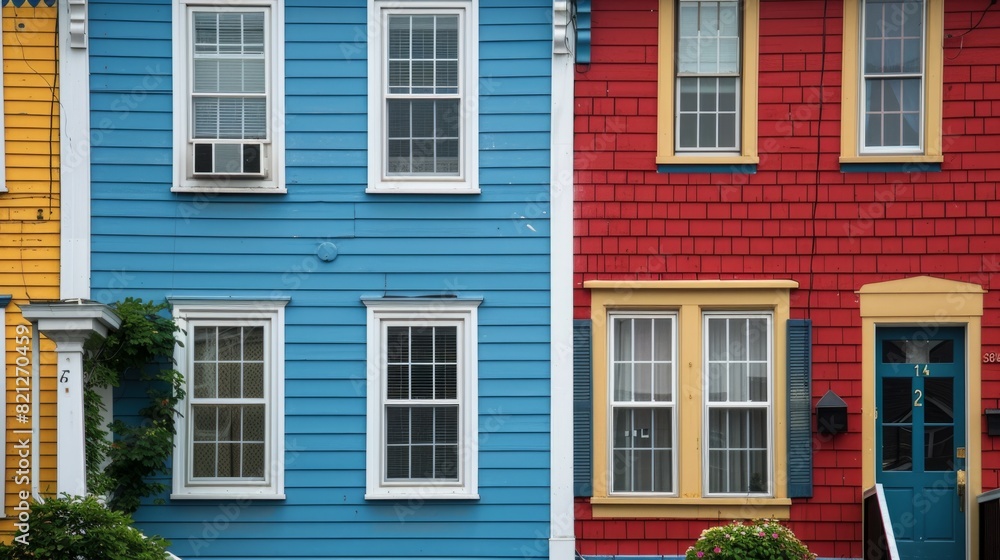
[{"x": 916, "y": 370}]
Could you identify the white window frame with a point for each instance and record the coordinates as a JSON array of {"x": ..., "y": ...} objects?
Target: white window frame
[
  {"x": 673, "y": 404},
  {"x": 467, "y": 181},
  {"x": 423, "y": 312},
  {"x": 272, "y": 155},
  {"x": 706, "y": 448},
  {"x": 271, "y": 315},
  {"x": 697, "y": 76},
  {"x": 863, "y": 92}
]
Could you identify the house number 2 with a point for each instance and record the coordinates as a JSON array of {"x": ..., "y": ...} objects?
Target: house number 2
[
  {"x": 917, "y": 372},
  {"x": 920, "y": 395}
]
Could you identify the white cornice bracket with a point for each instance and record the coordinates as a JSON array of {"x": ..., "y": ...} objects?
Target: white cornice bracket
[
  {"x": 78, "y": 24},
  {"x": 563, "y": 32}
]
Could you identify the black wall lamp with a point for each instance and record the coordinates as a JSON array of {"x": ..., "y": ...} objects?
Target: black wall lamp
[{"x": 831, "y": 414}]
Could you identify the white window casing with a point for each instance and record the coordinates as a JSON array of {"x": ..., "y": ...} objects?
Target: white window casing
[
  {"x": 422, "y": 422},
  {"x": 230, "y": 433},
  {"x": 893, "y": 66},
  {"x": 738, "y": 386},
  {"x": 423, "y": 97},
  {"x": 643, "y": 403},
  {"x": 228, "y": 96}
]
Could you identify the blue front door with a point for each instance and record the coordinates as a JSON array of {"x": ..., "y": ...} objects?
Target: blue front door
[{"x": 920, "y": 433}]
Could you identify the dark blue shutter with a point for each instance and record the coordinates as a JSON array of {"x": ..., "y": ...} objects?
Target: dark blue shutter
[
  {"x": 800, "y": 408},
  {"x": 582, "y": 427}
]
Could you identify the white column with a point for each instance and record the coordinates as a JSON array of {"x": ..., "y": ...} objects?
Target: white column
[
  {"x": 70, "y": 324},
  {"x": 71, "y": 460}
]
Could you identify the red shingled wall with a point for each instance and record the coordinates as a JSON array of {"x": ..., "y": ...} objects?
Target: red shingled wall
[{"x": 830, "y": 231}]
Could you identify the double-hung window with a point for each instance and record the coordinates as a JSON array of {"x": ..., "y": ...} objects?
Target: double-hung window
[
  {"x": 642, "y": 403},
  {"x": 227, "y": 95},
  {"x": 422, "y": 399},
  {"x": 423, "y": 97},
  {"x": 893, "y": 75},
  {"x": 689, "y": 398},
  {"x": 708, "y": 76},
  {"x": 891, "y": 91},
  {"x": 229, "y": 435},
  {"x": 707, "y": 88},
  {"x": 737, "y": 404}
]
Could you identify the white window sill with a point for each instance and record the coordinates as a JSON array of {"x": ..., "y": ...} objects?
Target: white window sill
[
  {"x": 422, "y": 494},
  {"x": 422, "y": 189},
  {"x": 220, "y": 495},
  {"x": 230, "y": 190}
]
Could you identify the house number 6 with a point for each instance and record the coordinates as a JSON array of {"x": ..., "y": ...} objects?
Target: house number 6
[
  {"x": 920, "y": 395},
  {"x": 916, "y": 370}
]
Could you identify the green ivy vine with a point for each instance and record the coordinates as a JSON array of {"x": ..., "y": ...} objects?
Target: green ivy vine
[{"x": 123, "y": 468}]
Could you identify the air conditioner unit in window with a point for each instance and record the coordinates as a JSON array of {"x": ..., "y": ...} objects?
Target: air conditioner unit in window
[{"x": 230, "y": 159}]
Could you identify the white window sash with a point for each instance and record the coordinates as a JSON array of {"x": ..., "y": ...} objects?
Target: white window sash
[
  {"x": 615, "y": 404},
  {"x": 379, "y": 179},
  {"x": 269, "y": 314},
  {"x": 271, "y": 153},
  {"x": 744, "y": 405},
  {"x": 863, "y": 90},
  {"x": 383, "y": 313},
  {"x": 738, "y": 74}
]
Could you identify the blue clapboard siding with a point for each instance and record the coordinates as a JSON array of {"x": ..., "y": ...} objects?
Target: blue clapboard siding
[{"x": 151, "y": 243}]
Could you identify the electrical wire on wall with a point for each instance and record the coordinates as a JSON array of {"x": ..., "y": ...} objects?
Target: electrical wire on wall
[
  {"x": 819, "y": 155},
  {"x": 961, "y": 36}
]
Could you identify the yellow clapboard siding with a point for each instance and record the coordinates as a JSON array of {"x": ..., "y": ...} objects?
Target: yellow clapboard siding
[
  {"x": 29, "y": 247},
  {"x": 16, "y": 160},
  {"x": 33, "y": 149},
  {"x": 17, "y": 134},
  {"x": 46, "y": 228},
  {"x": 32, "y": 175}
]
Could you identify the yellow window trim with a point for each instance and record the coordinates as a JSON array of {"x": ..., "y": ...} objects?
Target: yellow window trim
[
  {"x": 689, "y": 300},
  {"x": 665, "y": 152},
  {"x": 851, "y": 100},
  {"x": 935, "y": 301}
]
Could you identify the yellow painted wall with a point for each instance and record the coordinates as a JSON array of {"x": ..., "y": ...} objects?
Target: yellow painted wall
[{"x": 29, "y": 219}]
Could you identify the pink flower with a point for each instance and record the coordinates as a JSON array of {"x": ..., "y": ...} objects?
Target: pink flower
[
  {"x": 716, "y": 550},
  {"x": 774, "y": 535},
  {"x": 700, "y": 554},
  {"x": 760, "y": 534}
]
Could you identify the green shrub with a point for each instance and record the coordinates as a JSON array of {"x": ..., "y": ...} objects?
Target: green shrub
[
  {"x": 761, "y": 539},
  {"x": 74, "y": 528}
]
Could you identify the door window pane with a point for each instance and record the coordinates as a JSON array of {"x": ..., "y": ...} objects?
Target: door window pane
[
  {"x": 918, "y": 351},
  {"x": 897, "y": 448},
  {"x": 939, "y": 447},
  {"x": 939, "y": 399},
  {"x": 897, "y": 400}
]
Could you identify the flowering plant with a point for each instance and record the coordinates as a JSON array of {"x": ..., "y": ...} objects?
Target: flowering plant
[{"x": 761, "y": 539}]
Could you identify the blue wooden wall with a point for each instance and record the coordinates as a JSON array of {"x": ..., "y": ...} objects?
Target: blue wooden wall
[{"x": 151, "y": 243}]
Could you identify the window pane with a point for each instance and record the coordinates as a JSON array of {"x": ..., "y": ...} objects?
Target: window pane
[
  {"x": 897, "y": 448},
  {"x": 897, "y": 401},
  {"x": 623, "y": 382},
  {"x": 643, "y": 339},
  {"x": 738, "y": 451},
  {"x": 642, "y": 450},
  {"x": 939, "y": 445},
  {"x": 940, "y": 398},
  {"x": 643, "y": 382}
]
